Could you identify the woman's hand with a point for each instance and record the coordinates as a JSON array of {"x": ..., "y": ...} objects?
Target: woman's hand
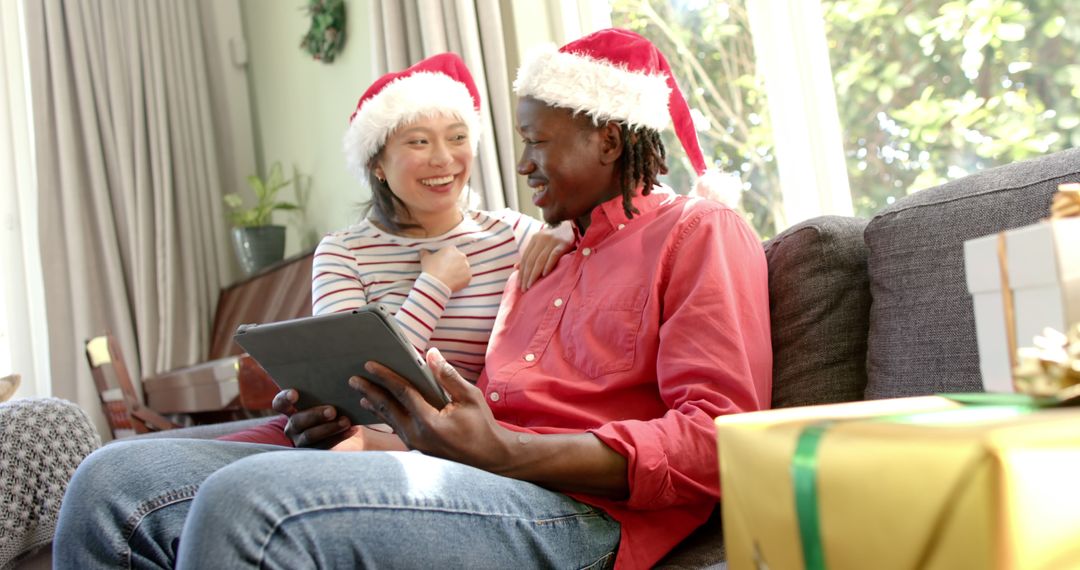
[
  {"x": 308, "y": 427},
  {"x": 448, "y": 265},
  {"x": 542, "y": 253},
  {"x": 367, "y": 438},
  {"x": 464, "y": 430}
]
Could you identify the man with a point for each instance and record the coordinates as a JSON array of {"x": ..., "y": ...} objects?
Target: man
[{"x": 588, "y": 436}]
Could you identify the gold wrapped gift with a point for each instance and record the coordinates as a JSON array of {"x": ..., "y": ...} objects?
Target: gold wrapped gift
[{"x": 904, "y": 483}]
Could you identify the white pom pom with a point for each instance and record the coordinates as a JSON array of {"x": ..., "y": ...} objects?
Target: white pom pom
[{"x": 723, "y": 187}]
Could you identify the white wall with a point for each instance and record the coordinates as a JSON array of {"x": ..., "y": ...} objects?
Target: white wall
[{"x": 300, "y": 108}]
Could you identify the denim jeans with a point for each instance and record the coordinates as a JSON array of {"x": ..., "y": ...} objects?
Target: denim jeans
[{"x": 163, "y": 503}]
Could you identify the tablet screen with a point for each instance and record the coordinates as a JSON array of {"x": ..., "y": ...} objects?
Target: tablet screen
[{"x": 317, "y": 356}]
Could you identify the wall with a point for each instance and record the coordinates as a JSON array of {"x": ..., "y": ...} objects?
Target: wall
[{"x": 300, "y": 109}]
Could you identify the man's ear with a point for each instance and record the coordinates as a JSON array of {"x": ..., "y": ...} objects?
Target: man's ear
[{"x": 611, "y": 142}]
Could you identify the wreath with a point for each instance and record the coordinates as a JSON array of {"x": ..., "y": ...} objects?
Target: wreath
[{"x": 326, "y": 37}]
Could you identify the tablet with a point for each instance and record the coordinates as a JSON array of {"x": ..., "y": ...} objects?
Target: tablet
[{"x": 317, "y": 356}]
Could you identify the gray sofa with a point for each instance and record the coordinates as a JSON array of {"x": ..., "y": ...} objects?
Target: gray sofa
[
  {"x": 865, "y": 309},
  {"x": 868, "y": 309}
]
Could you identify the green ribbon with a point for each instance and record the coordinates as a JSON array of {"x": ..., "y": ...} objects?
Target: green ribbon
[
  {"x": 804, "y": 470},
  {"x": 804, "y": 464}
]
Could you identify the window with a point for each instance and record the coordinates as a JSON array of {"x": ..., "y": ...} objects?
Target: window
[
  {"x": 932, "y": 90},
  {"x": 711, "y": 53},
  {"x": 925, "y": 91}
]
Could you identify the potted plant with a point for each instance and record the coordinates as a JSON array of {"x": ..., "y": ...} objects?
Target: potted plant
[{"x": 257, "y": 240}]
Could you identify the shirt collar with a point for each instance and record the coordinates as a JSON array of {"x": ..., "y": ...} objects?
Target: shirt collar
[{"x": 610, "y": 214}]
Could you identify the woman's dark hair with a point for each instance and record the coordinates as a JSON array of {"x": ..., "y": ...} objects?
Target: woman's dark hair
[
  {"x": 385, "y": 207},
  {"x": 643, "y": 160}
]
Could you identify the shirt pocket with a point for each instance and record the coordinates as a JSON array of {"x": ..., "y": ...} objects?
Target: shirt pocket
[{"x": 602, "y": 339}]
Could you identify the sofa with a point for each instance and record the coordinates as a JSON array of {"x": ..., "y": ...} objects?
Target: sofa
[{"x": 878, "y": 308}]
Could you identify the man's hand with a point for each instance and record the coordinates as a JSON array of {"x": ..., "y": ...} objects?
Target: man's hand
[
  {"x": 543, "y": 252},
  {"x": 464, "y": 430},
  {"x": 308, "y": 427}
]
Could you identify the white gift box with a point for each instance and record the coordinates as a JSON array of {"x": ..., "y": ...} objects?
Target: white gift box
[{"x": 1043, "y": 263}]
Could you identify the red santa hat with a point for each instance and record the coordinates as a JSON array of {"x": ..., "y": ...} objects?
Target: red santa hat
[
  {"x": 438, "y": 85},
  {"x": 614, "y": 75}
]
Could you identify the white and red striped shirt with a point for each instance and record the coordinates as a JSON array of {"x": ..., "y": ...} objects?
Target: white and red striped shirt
[{"x": 363, "y": 264}]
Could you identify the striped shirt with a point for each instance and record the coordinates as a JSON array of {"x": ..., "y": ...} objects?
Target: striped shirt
[{"x": 363, "y": 264}]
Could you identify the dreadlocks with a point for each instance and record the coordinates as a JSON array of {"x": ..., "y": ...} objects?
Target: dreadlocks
[{"x": 642, "y": 161}]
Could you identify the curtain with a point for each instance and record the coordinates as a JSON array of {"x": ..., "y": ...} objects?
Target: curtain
[
  {"x": 406, "y": 31},
  {"x": 133, "y": 238}
]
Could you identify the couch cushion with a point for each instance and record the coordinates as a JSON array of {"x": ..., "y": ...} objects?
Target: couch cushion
[
  {"x": 922, "y": 329},
  {"x": 819, "y": 301}
]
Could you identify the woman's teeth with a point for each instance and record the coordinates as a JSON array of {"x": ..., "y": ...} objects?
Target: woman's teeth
[{"x": 437, "y": 181}]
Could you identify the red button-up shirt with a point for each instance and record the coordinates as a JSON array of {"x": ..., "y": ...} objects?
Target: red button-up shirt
[{"x": 651, "y": 328}]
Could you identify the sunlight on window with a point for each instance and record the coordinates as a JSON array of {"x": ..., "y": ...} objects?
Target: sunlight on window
[
  {"x": 6, "y": 366},
  {"x": 927, "y": 90},
  {"x": 933, "y": 90},
  {"x": 711, "y": 53}
]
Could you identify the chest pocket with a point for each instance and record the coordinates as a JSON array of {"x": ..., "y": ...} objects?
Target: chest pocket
[{"x": 602, "y": 338}]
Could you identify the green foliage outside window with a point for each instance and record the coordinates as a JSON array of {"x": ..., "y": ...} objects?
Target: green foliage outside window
[
  {"x": 711, "y": 54},
  {"x": 927, "y": 90}
]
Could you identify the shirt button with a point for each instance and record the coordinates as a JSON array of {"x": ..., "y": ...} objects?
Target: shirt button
[
  {"x": 558, "y": 302},
  {"x": 621, "y": 226},
  {"x": 494, "y": 396},
  {"x": 530, "y": 357},
  {"x": 586, "y": 252}
]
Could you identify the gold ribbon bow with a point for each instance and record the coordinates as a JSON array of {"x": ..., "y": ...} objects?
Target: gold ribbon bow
[
  {"x": 1066, "y": 202},
  {"x": 1052, "y": 366}
]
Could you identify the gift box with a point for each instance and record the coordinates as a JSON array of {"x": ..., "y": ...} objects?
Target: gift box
[
  {"x": 1021, "y": 281},
  {"x": 904, "y": 483},
  {"x": 205, "y": 387}
]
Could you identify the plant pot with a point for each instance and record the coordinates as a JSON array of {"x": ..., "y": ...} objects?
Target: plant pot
[{"x": 258, "y": 246}]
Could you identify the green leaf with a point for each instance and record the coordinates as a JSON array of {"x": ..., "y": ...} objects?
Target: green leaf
[
  {"x": 233, "y": 200},
  {"x": 1011, "y": 32},
  {"x": 266, "y": 201},
  {"x": 1053, "y": 26}
]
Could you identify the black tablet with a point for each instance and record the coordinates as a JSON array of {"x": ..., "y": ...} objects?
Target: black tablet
[{"x": 317, "y": 356}]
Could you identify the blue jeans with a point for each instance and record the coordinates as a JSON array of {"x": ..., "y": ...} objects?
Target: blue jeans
[{"x": 163, "y": 503}]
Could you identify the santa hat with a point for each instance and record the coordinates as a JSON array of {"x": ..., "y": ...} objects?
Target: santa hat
[
  {"x": 438, "y": 85},
  {"x": 615, "y": 75}
]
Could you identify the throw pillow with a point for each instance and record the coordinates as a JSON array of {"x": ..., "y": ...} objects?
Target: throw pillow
[
  {"x": 922, "y": 328},
  {"x": 819, "y": 301}
]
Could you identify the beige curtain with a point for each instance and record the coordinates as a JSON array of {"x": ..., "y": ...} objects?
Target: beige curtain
[
  {"x": 133, "y": 239},
  {"x": 406, "y": 31}
]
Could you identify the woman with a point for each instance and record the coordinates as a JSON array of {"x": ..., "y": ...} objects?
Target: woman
[{"x": 439, "y": 266}]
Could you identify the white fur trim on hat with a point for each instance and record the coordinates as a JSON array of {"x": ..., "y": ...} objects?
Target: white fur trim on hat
[
  {"x": 591, "y": 86},
  {"x": 402, "y": 101},
  {"x": 723, "y": 187}
]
